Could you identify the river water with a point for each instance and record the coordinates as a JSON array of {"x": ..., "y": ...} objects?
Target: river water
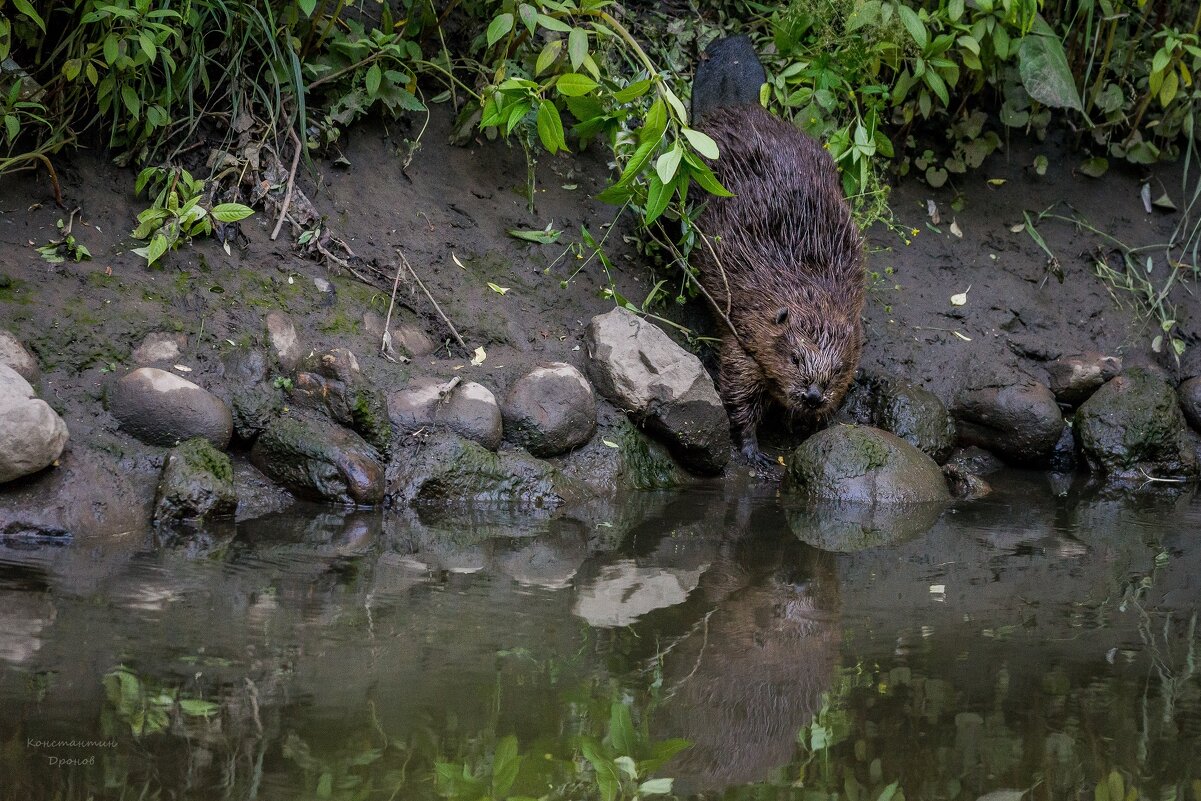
[{"x": 1041, "y": 643}]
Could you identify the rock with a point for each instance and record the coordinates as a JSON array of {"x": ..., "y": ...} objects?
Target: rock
[
  {"x": 471, "y": 411},
  {"x": 973, "y": 459},
  {"x": 1074, "y": 378},
  {"x": 318, "y": 459},
  {"x": 1190, "y": 401},
  {"x": 16, "y": 356},
  {"x": 964, "y": 485},
  {"x": 450, "y": 470},
  {"x": 661, "y": 386},
  {"x": 244, "y": 366},
  {"x": 914, "y": 414},
  {"x": 89, "y": 497},
  {"x": 197, "y": 484},
  {"x": 32, "y": 435},
  {"x": 550, "y": 410},
  {"x": 253, "y": 410},
  {"x": 1063, "y": 457},
  {"x": 159, "y": 346},
  {"x": 1012, "y": 416},
  {"x": 1132, "y": 427},
  {"x": 863, "y": 465},
  {"x": 160, "y": 408},
  {"x": 413, "y": 339},
  {"x": 285, "y": 343},
  {"x": 338, "y": 388}
]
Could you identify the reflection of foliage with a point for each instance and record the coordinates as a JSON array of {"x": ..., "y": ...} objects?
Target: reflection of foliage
[{"x": 147, "y": 707}]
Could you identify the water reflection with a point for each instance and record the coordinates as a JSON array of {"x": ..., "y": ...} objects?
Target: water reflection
[{"x": 1039, "y": 638}]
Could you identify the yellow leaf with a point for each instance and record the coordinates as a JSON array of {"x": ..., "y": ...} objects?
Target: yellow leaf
[
  {"x": 500, "y": 290},
  {"x": 479, "y": 357},
  {"x": 961, "y": 298},
  {"x": 996, "y": 181}
]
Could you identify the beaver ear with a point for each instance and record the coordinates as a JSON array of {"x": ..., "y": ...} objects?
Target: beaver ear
[{"x": 781, "y": 315}]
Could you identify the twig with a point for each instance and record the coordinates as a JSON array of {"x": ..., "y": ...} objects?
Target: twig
[
  {"x": 58, "y": 190},
  {"x": 283, "y": 210},
  {"x": 447, "y": 389},
  {"x": 1170, "y": 480},
  {"x": 386, "y": 340},
  {"x": 437, "y": 308}
]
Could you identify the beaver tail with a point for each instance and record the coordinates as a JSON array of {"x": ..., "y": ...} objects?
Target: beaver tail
[{"x": 728, "y": 74}]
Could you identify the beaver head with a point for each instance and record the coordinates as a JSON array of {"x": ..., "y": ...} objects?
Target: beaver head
[{"x": 812, "y": 357}]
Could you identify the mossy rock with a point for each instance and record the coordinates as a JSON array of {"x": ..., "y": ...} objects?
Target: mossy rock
[
  {"x": 197, "y": 483},
  {"x": 449, "y": 470},
  {"x": 1132, "y": 428},
  {"x": 319, "y": 459},
  {"x": 864, "y": 465},
  {"x": 916, "y": 415}
]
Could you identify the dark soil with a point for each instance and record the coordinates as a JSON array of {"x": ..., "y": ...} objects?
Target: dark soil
[{"x": 83, "y": 320}]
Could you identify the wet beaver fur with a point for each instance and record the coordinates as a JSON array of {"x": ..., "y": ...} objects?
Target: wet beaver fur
[{"x": 783, "y": 258}]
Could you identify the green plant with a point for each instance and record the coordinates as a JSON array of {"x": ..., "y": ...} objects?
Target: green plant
[
  {"x": 177, "y": 212},
  {"x": 147, "y": 707},
  {"x": 66, "y": 247}
]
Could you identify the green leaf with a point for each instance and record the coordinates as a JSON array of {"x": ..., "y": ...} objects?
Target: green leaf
[
  {"x": 147, "y": 43},
  {"x": 71, "y": 68},
  {"x": 230, "y": 212},
  {"x": 197, "y": 708},
  {"x": 1044, "y": 69},
  {"x": 608, "y": 779},
  {"x": 552, "y": 24},
  {"x": 505, "y": 763},
  {"x": 26, "y": 8},
  {"x": 702, "y": 143},
  {"x": 657, "y": 197},
  {"x": 573, "y": 84},
  {"x": 548, "y": 56},
  {"x": 528, "y": 16},
  {"x": 374, "y": 76},
  {"x": 110, "y": 49},
  {"x": 499, "y": 27},
  {"x": 1095, "y": 167},
  {"x": 708, "y": 181},
  {"x": 550, "y": 127},
  {"x": 621, "y": 727},
  {"x": 656, "y": 787},
  {"x": 655, "y": 123},
  {"x": 307, "y": 6},
  {"x": 637, "y": 161},
  {"x": 541, "y": 236},
  {"x": 12, "y": 126},
  {"x": 913, "y": 23},
  {"x": 157, "y": 247},
  {"x": 325, "y": 785},
  {"x": 632, "y": 92},
  {"x": 132, "y": 102},
  {"x": 666, "y": 165},
  {"x": 577, "y": 47}
]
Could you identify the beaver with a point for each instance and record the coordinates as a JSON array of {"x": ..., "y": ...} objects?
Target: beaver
[{"x": 781, "y": 260}]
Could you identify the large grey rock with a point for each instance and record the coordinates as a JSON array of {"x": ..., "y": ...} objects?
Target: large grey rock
[
  {"x": 1133, "y": 428},
  {"x": 863, "y": 465},
  {"x": 661, "y": 386},
  {"x": 333, "y": 384},
  {"x": 285, "y": 342},
  {"x": 1015, "y": 417},
  {"x": 550, "y": 410},
  {"x": 15, "y": 355},
  {"x": 468, "y": 409},
  {"x": 1074, "y": 378},
  {"x": 1190, "y": 401},
  {"x": 319, "y": 459},
  {"x": 197, "y": 483},
  {"x": 447, "y": 470},
  {"x": 160, "y": 408},
  {"x": 32, "y": 435}
]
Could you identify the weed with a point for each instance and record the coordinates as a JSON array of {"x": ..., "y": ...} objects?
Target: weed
[{"x": 177, "y": 212}]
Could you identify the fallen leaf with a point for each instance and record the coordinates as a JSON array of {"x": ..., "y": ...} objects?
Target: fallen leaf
[
  {"x": 181, "y": 368},
  {"x": 938, "y": 589},
  {"x": 956, "y": 230},
  {"x": 1164, "y": 202},
  {"x": 961, "y": 298},
  {"x": 546, "y": 236},
  {"x": 996, "y": 181},
  {"x": 456, "y": 259},
  {"x": 1094, "y": 168},
  {"x": 1017, "y": 229},
  {"x": 961, "y": 336},
  {"x": 1145, "y": 194},
  {"x": 610, "y": 443},
  {"x": 500, "y": 290},
  {"x": 479, "y": 357},
  {"x": 932, "y": 211}
]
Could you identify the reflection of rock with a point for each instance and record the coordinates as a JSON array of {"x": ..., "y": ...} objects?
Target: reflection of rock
[
  {"x": 23, "y": 616},
  {"x": 624, "y": 591},
  {"x": 548, "y": 561},
  {"x": 744, "y": 681},
  {"x": 833, "y": 526}
]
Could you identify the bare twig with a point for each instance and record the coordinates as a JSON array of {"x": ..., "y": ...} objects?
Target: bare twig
[
  {"x": 386, "y": 340},
  {"x": 283, "y": 210},
  {"x": 437, "y": 308},
  {"x": 446, "y": 390}
]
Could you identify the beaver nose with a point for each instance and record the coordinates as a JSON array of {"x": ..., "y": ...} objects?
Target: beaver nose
[{"x": 813, "y": 396}]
